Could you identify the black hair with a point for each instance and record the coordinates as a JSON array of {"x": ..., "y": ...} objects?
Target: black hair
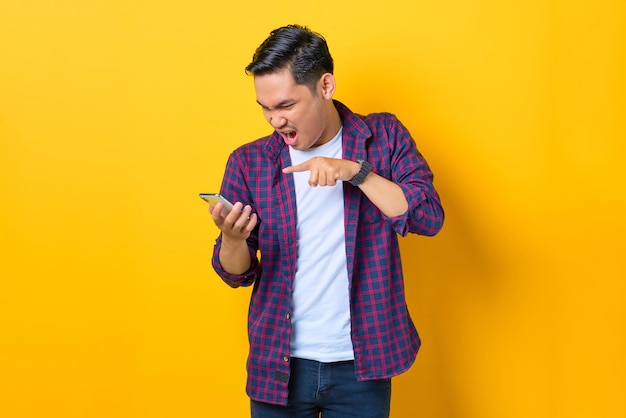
[{"x": 296, "y": 47}]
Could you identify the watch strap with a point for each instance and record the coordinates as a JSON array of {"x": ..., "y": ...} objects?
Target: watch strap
[{"x": 366, "y": 168}]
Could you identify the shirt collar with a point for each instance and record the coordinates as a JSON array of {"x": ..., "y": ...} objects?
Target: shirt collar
[{"x": 354, "y": 130}]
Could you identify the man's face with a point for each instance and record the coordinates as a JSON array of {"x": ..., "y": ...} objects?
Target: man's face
[{"x": 299, "y": 115}]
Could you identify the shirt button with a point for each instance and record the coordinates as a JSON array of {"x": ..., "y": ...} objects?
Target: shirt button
[
  {"x": 286, "y": 358},
  {"x": 288, "y": 316}
]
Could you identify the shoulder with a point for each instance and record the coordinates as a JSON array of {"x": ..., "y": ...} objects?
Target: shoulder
[
  {"x": 259, "y": 148},
  {"x": 252, "y": 146},
  {"x": 381, "y": 120},
  {"x": 375, "y": 122}
]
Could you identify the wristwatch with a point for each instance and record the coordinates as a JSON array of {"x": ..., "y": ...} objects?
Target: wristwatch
[{"x": 366, "y": 168}]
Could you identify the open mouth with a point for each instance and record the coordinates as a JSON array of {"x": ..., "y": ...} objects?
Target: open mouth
[{"x": 290, "y": 137}]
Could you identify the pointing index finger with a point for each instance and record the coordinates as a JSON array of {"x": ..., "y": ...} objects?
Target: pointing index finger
[{"x": 297, "y": 168}]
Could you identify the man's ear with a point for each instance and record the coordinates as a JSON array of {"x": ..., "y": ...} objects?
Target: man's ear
[{"x": 327, "y": 86}]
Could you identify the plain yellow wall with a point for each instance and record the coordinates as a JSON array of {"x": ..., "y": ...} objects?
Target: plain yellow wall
[{"x": 115, "y": 114}]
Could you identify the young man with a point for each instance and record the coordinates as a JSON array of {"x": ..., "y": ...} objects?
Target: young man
[{"x": 323, "y": 199}]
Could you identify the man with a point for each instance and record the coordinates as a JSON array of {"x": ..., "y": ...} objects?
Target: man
[{"x": 322, "y": 199}]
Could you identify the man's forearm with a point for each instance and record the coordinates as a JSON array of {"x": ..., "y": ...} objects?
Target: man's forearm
[
  {"x": 234, "y": 256},
  {"x": 386, "y": 195}
]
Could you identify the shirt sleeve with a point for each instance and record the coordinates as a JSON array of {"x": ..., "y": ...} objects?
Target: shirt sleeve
[
  {"x": 234, "y": 188},
  {"x": 236, "y": 280},
  {"x": 411, "y": 172}
]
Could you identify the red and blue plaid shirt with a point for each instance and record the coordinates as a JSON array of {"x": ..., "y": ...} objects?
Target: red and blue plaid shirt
[{"x": 384, "y": 338}]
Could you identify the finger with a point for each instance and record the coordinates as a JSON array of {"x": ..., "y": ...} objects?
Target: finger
[
  {"x": 321, "y": 178},
  {"x": 231, "y": 217},
  {"x": 216, "y": 212},
  {"x": 329, "y": 178},
  {"x": 330, "y": 181},
  {"x": 244, "y": 217},
  {"x": 251, "y": 223},
  {"x": 314, "y": 178},
  {"x": 305, "y": 166}
]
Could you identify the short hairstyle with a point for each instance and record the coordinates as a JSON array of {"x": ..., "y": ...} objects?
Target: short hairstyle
[{"x": 296, "y": 47}]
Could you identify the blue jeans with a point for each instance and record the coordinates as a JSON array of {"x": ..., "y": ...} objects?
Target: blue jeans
[{"x": 329, "y": 389}]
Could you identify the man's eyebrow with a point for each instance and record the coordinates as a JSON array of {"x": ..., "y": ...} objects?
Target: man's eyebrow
[{"x": 283, "y": 103}]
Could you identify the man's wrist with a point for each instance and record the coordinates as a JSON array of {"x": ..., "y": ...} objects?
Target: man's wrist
[{"x": 365, "y": 169}]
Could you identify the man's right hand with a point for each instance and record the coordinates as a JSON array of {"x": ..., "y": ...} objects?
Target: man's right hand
[{"x": 237, "y": 224}]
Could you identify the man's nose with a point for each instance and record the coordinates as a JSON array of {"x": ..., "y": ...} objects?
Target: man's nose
[{"x": 277, "y": 121}]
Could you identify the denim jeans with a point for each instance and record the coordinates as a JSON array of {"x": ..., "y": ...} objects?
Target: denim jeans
[{"x": 329, "y": 390}]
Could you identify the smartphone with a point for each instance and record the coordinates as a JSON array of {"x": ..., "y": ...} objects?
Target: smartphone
[{"x": 215, "y": 198}]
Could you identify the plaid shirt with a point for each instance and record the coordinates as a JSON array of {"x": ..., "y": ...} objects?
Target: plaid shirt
[{"x": 384, "y": 338}]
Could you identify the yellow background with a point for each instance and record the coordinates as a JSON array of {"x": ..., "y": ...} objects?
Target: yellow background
[{"x": 115, "y": 114}]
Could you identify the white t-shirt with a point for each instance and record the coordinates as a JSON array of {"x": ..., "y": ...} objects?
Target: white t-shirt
[{"x": 320, "y": 303}]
